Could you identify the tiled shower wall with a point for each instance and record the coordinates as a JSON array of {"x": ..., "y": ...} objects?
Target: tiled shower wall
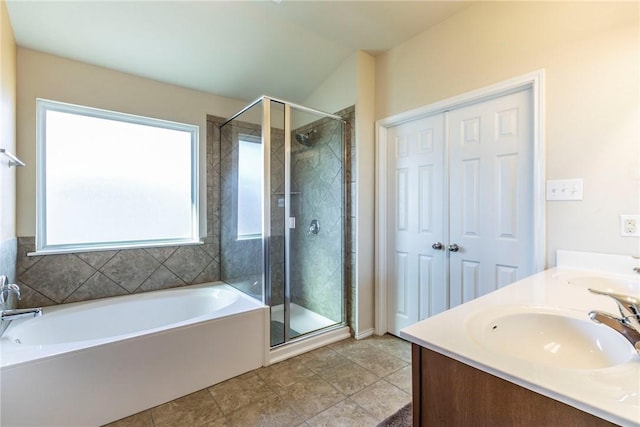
[
  {"x": 317, "y": 175},
  {"x": 53, "y": 279}
]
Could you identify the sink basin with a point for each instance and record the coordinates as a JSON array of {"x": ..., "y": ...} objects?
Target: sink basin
[{"x": 558, "y": 338}]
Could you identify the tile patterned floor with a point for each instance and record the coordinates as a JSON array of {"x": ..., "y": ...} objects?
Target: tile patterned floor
[{"x": 350, "y": 383}]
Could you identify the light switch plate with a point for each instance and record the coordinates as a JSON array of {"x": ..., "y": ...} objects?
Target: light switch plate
[{"x": 564, "y": 189}]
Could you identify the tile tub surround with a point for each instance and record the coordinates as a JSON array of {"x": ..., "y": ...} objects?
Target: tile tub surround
[
  {"x": 55, "y": 279},
  {"x": 349, "y": 383},
  {"x": 8, "y": 258},
  {"x": 610, "y": 393}
]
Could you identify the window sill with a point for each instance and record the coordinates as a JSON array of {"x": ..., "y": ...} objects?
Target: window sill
[{"x": 115, "y": 247}]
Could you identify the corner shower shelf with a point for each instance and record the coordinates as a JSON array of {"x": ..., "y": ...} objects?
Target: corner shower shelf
[{"x": 13, "y": 160}]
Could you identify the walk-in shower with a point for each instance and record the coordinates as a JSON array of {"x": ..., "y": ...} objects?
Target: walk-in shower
[{"x": 282, "y": 219}]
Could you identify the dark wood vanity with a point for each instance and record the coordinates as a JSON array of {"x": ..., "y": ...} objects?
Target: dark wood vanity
[{"x": 447, "y": 392}]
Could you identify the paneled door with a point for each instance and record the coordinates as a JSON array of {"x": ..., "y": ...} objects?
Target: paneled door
[
  {"x": 415, "y": 219},
  {"x": 460, "y": 217},
  {"x": 491, "y": 196}
]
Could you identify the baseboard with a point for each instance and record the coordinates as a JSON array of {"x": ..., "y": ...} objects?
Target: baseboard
[
  {"x": 364, "y": 334},
  {"x": 311, "y": 343}
]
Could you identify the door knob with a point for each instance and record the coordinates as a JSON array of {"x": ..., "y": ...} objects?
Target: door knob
[
  {"x": 454, "y": 248},
  {"x": 437, "y": 246}
]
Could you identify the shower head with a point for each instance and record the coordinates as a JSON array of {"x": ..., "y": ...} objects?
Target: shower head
[{"x": 306, "y": 138}]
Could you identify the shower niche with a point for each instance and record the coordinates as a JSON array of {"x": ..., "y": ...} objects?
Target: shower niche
[{"x": 282, "y": 219}]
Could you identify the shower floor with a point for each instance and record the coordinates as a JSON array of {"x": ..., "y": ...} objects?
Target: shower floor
[{"x": 302, "y": 321}]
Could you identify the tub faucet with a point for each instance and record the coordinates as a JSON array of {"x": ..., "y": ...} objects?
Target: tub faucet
[
  {"x": 628, "y": 325},
  {"x": 9, "y": 296}
]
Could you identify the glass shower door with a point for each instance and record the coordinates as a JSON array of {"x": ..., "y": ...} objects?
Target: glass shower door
[
  {"x": 277, "y": 224},
  {"x": 281, "y": 214},
  {"x": 316, "y": 258}
]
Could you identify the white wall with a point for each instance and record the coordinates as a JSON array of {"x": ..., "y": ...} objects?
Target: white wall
[
  {"x": 59, "y": 79},
  {"x": 7, "y": 126},
  {"x": 590, "y": 52}
]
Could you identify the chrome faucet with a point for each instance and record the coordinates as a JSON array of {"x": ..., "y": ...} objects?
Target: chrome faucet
[
  {"x": 628, "y": 325},
  {"x": 9, "y": 296}
]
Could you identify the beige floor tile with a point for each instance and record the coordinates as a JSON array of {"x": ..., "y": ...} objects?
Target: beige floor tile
[
  {"x": 348, "y": 377},
  {"x": 141, "y": 419},
  {"x": 220, "y": 422},
  {"x": 381, "y": 399},
  {"x": 284, "y": 374},
  {"x": 321, "y": 359},
  {"x": 344, "y": 414},
  {"x": 237, "y": 392},
  {"x": 392, "y": 345},
  {"x": 401, "y": 379},
  {"x": 350, "y": 347},
  {"x": 311, "y": 396},
  {"x": 311, "y": 387},
  {"x": 194, "y": 410},
  {"x": 269, "y": 412},
  {"x": 378, "y": 362}
]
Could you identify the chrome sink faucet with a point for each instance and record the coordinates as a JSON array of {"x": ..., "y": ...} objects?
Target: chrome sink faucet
[
  {"x": 9, "y": 296},
  {"x": 628, "y": 325}
]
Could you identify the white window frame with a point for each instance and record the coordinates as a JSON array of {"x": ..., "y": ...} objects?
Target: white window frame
[{"x": 42, "y": 247}]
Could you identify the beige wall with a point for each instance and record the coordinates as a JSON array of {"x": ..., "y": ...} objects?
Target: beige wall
[
  {"x": 590, "y": 53},
  {"x": 7, "y": 125},
  {"x": 365, "y": 193},
  {"x": 51, "y": 77},
  {"x": 353, "y": 83}
]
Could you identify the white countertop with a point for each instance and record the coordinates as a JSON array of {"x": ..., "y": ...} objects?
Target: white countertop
[{"x": 611, "y": 393}]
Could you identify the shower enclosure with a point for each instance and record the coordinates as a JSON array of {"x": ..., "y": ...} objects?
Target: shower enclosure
[{"x": 282, "y": 214}]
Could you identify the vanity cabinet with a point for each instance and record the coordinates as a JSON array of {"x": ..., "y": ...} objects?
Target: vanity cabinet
[{"x": 447, "y": 392}]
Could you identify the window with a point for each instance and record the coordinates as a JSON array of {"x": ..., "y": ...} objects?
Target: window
[
  {"x": 110, "y": 180},
  {"x": 249, "y": 187}
]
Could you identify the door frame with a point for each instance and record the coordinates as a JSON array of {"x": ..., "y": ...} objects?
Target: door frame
[{"x": 533, "y": 81}]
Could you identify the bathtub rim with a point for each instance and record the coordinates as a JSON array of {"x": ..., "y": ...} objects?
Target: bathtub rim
[{"x": 15, "y": 355}]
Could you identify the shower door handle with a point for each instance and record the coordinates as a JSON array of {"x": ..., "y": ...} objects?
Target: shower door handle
[{"x": 292, "y": 222}]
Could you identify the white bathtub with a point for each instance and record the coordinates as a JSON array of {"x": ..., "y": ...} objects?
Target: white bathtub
[{"x": 87, "y": 364}]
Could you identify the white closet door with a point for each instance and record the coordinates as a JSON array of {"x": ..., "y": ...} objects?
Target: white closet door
[
  {"x": 491, "y": 195},
  {"x": 416, "y": 281}
]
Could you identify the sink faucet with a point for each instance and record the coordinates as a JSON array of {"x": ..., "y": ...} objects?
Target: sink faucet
[
  {"x": 9, "y": 296},
  {"x": 628, "y": 325}
]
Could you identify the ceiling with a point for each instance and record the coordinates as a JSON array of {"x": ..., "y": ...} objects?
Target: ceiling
[{"x": 238, "y": 49}]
